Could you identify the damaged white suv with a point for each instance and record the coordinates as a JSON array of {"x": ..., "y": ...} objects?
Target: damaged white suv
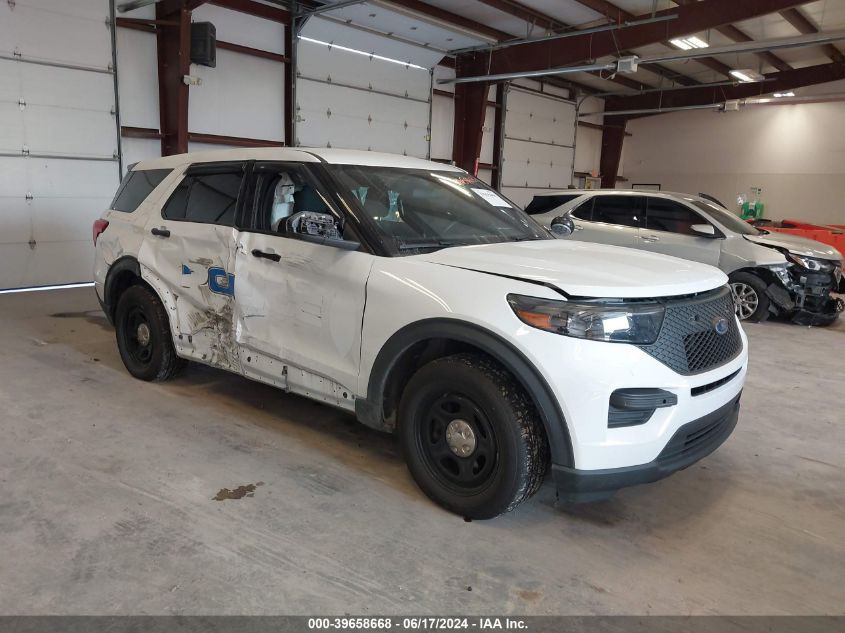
[{"x": 415, "y": 296}]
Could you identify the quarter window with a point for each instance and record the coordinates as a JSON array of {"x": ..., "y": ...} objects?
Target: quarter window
[
  {"x": 584, "y": 211},
  {"x": 622, "y": 210},
  {"x": 670, "y": 216},
  {"x": 135, "y": 188},
  {"x": 209, "y": 198}
]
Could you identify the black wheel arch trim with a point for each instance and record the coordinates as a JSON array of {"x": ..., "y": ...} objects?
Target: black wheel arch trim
[
  {"x": 127, "y": 263},
  {"x": 370, "y": 410}
]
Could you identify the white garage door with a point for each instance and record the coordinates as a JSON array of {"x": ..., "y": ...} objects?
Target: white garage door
[
  {"x": 58, "y": 138},
  {"x": 349, "y": 100},
  {"x": 539, "y": 144}
]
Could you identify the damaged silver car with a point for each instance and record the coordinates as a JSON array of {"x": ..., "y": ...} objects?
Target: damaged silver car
[{"x": 770, "y": 273}]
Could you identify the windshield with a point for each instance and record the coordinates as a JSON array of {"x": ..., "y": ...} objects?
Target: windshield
[
  {"x": 420, "y": 209},
  {"x": 726, "y": 218}
]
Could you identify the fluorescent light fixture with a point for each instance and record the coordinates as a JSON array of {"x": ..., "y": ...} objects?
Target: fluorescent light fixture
[
  {"x": 687, "y": 43},
  {"x": 747, "y": 76},
  {"x": 86, "y": 284},
  {"x": 784, "y": 94},
  {"x": 697, "y": 42},
  {"x": 364, "y": 53}
]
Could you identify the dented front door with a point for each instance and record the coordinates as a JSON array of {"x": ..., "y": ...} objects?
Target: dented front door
[
  {"x": 299, "y": 312},
  {"x": 190, "y": 251}
]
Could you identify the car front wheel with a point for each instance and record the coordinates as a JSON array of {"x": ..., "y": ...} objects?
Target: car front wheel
[
  {"x": 471, "y": 437},
  {"x": 143, "y": 336},
  {"x": 749, "y": 293}
]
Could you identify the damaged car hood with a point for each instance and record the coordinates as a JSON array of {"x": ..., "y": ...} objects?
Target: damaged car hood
[
  {"x": 796, "y": 244},
  {"x": 584, "y": 269}
]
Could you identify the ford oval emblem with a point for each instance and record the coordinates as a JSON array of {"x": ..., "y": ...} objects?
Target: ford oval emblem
[{"x": 721, "y": 326}]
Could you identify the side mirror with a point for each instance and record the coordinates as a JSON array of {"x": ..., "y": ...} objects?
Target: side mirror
[
  {"x": 704, "y": 230},
  {"x": 562, "y": 226},
  {"x": 319, "y": 228}
]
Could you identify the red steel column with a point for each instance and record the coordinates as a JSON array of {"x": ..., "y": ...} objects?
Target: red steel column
[
  {"x": 612, "y": 138},
  {"x": 173, "y": 38},
  {"x": 470, "y": 108}
]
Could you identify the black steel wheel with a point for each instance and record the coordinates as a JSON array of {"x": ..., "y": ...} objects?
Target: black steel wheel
[
  {"x": 471, "y": 436},
  {"x": 143, "y": 336}
]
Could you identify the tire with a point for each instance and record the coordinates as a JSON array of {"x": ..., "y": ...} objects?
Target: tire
[
  {"x": 486, "y": 414},
  {"x": 143, "y": 336},
  {"x": 749, "y": 292}
]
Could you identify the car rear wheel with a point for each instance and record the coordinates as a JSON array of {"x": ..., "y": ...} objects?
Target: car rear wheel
[
  {"x": 749, "y": 293},
  {"x": 471, "y": 437},
  {"x": 143, "y": 336}
]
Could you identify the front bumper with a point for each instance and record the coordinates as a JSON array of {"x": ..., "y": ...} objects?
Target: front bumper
[{"x": 690, "y": 443}]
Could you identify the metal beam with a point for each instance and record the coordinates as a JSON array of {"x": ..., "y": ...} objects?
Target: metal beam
[
  {"x": 803, "y": 25},
  {"x": 612, "y": 139},
  {"x": 173, "y": 41},
  {"x": 733, "y": 33},
  {"x": 517, "y": 9},
  {"x": 690, "y": 19},
  {"x": 776, "y": 82},
  {"x": 470, "y": 110}
]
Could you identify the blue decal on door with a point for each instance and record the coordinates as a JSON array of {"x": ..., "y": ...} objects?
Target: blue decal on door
[
  {"x": 186, "y": 270},
  {"x": 220, "y": 282}
]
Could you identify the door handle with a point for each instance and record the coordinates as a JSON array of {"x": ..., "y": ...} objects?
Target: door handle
[
  {"x": 273, "y": 257},
  {"x": 161, "y": 232},
  {"x": 649, "y": 238}
]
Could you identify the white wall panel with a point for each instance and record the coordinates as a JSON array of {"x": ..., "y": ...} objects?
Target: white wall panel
[
  {"x": 442, "y": 126},
  {"x": 242, "y": 96},
  {"x": 138, "y": 149}
]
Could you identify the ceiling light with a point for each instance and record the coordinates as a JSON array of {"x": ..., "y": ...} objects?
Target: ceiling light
[
  {"x": 747, "y": 76},
  {"x": 697, "y": 42},
  {"x": 784, "y": 94},
  {"x": 687, "y": 43}
]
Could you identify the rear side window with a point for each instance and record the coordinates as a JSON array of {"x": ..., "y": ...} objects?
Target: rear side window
[
  {"x": 670, "y": 216},
  {"x": 584, "y": 211},
  {"x": 135, "y": 188},
  {"x": 209, "y": 198},
  {"x": 623, "y": 210},
  {"x": 544, "y": 204}
]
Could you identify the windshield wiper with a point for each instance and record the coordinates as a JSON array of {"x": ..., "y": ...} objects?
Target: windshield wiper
[{"x": 420, "y": 244}]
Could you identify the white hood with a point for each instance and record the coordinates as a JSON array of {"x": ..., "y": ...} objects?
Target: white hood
[
  {"x": 584, "y": 269},
  {"x": 796, "y": 244}
]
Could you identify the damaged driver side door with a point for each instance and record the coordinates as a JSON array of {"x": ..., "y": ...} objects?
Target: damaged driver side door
[
  {"x": 300, "y": 296},
  {"x": 191, "y": 254}
]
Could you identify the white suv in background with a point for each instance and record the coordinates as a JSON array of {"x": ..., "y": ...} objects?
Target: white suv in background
[
  {"x": 410, "y": 293},
  {"x": 770, "y": 273}
]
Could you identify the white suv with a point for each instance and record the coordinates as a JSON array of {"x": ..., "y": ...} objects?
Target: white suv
[{"x": 415, "y": 296}]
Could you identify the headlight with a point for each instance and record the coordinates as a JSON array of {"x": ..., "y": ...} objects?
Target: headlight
[
  {"x": 614, "y": 322},
  {"x": 810, "y": 263}
]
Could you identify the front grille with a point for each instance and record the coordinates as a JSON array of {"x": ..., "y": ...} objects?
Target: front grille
[
  {"x": 688, "y": 341},
  {"x": 697, "y": 391}
]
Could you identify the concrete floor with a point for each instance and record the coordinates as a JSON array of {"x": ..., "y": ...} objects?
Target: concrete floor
[{"x": 108, "y": 484}]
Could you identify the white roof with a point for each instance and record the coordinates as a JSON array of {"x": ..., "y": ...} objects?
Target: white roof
[{"x": 300, "y": 154}]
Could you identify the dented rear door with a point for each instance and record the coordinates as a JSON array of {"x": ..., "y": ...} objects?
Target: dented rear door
[{"x": 189, "y": 252}]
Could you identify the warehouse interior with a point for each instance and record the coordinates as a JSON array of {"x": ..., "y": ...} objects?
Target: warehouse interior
[{"x": 111, "y": 485}]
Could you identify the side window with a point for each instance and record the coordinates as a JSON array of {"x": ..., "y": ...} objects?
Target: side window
[
  {"x": 584, "y": 211},
  {"x": 208, "y": 198},
  {"x": 671, "y": 216},
  {"x": 280, "y": 192},
  {"x": 622, "y": 210},
  {"x": 135, "y": 188}
]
